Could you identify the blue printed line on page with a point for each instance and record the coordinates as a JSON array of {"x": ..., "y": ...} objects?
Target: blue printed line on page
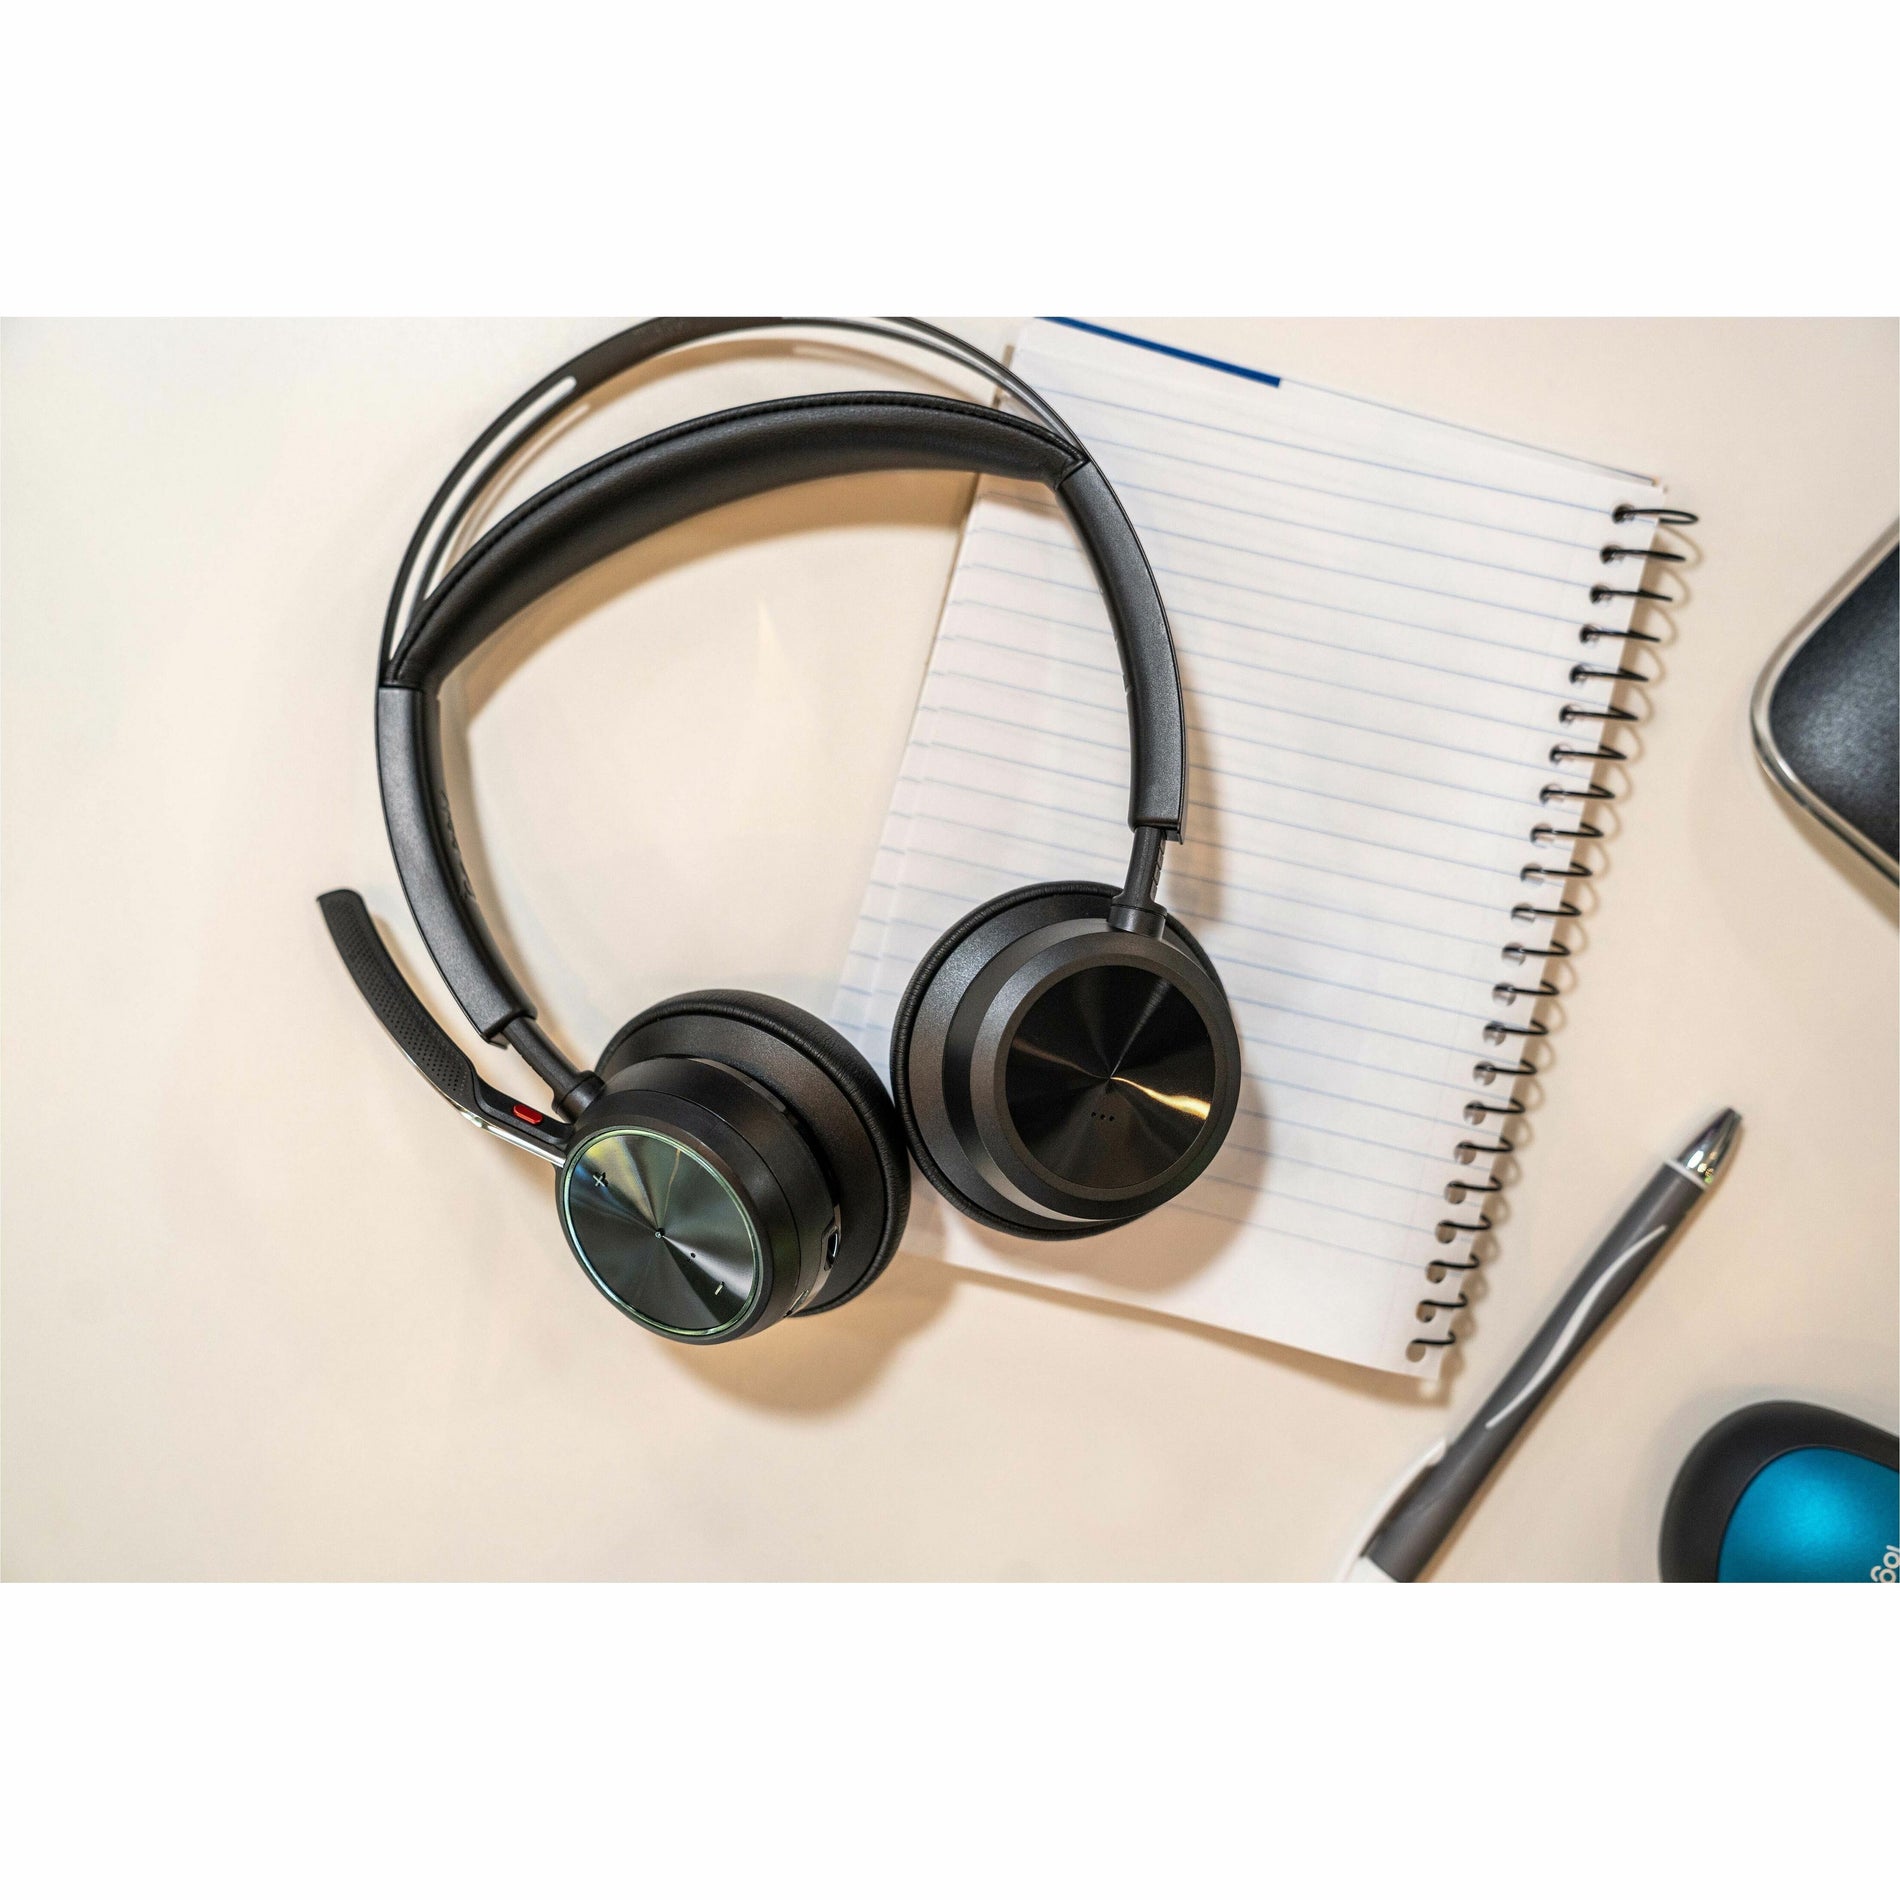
[
  {"x": 1279, "y": 633},
  {"x": 1167, "y": 349},
  {"x": 1114, "y": 824},
  {"x": 1175, "y": 875},
  {"x": 1251, "y": 705},
  {"x": 1239, "y": 587},
  {"x": 1464, "y": 826},
  {"x": 1337, "y": 494},
  {"x": 1540, "y": 727},
  {"x": 1068, "y": 396},
  {"x": 1148, "y": 527}
]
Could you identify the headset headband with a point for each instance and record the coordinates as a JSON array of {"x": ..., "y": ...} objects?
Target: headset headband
[{"x": 668, "y": 477}]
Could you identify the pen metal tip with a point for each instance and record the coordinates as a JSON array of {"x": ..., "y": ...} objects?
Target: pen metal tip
[{"x": 1704, "y": 1156}]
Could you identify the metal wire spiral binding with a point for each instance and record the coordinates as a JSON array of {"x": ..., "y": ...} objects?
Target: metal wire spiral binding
[
  {"x": 1600, "y": 594},
  {"x": 1446, "y": 1228},
  {"x": 1456, "y": 1192},
  {"x": 1488, "y": 1072},
  {"x": 1663, "y": 517},
  {"x": 1479, "y": 1111},
  {"x": 1462, "y": 1154},
  {"x": 1510, "y": 992},
  {"x": 1581, "y": 672},
  {"x": 1496, "y": 1032}
]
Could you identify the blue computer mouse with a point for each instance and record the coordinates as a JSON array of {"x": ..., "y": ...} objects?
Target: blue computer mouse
[{"x": 1786, "y": 1493}]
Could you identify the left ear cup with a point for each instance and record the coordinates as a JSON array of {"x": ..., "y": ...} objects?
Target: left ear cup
[
  {"x": 1056, "y": 1077},
  {"x": 832, "y": 1095}
]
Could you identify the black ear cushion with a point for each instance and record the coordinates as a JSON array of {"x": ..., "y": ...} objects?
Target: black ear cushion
[
  {"x": 902, "y": 1023},
  {"x": 925, "y": 974},
  {"x": 828, "y": 1051}
]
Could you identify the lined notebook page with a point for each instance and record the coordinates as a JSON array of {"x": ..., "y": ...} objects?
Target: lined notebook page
[{"x": 1377, "y": 616}]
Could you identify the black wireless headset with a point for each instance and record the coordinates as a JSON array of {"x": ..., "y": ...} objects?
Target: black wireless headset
[{"x": 1064, "y": 1058}]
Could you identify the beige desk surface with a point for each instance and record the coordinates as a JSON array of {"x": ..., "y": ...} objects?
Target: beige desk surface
[{"x": 271, "y": 1311}]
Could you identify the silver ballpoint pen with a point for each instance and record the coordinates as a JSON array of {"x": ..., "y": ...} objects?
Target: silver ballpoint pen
[{"x": 1434, "y": 1494}]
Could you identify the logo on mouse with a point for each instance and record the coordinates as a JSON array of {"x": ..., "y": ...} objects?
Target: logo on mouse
[{"x": 1888, "y": 1572}]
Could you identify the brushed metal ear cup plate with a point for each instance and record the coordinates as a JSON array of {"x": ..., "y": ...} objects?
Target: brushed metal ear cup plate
[
  {"x": 829, "y": 1088},
  {"x": 1056, "y": 1077}
]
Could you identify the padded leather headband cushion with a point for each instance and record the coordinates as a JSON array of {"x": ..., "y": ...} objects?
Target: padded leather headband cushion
[
  {"x": 839, "y": 1062},
  {"x": 675, "y": 474}
]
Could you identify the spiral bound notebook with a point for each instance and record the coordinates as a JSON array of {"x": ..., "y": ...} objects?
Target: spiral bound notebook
[{"x": 1400, "y": 641}]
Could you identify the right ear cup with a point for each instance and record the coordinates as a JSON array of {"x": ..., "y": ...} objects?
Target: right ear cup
[
  {"x": 826, "y": 1088},
  {"x": 1057, "y": 1077}
]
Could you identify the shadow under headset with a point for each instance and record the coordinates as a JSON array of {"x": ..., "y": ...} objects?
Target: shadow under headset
[{"x": 1063, "y": 1061}]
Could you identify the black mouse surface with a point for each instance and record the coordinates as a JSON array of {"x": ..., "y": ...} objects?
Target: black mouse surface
[
  {"x": 1785, "y": 1492},
  {"x": 1827, "y": 721}
]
